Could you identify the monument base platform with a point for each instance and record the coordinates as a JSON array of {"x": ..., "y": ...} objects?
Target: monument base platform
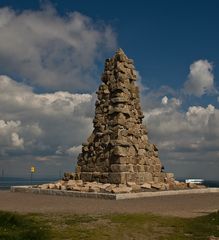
[{"x": 111, "y": 196}]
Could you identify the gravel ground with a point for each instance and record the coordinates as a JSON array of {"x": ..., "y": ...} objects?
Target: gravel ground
[{"x": 190, "y": 205}]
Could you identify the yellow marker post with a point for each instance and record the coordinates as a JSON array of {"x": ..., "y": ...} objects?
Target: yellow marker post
[{"x": 32, "y": 171}]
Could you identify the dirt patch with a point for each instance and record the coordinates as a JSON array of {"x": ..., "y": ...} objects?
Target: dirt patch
[{"x": 181, "y": 205}]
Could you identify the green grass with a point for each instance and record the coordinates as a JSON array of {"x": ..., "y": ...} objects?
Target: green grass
[
  {"x": 21, "y": 227},
  {"x": 103, "y": 227}
]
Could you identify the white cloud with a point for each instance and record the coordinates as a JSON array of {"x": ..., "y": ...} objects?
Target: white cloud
[
  {"x": 164, "y": 100},
  {"x": 141, "y": 86},
  {"x": 75, "y": 150},
  {"x": 16, "y": 96},
  {"x": 172, "y": 102},
  {"x": 175, "y": 102},
  {"x": 201, "y": 79},
  {"x": 72, "y": 151},
  {"x": 185, "y": 138},
  {"x": 7, "y": 130},
  {"x": 199, "y": 116},
  {"x": 172, "y": 127},
  {"x": 5, "y": 16},
  {"x": 16, "y": 140},
  {"x": 54, "y": 52},
  {"x": 38, "y": 123}
]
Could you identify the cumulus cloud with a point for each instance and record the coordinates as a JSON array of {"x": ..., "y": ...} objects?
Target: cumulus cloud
[
  {"x": 72, "y": 151},
  {"x": 141, "y": 86},
  {"x": 176, "y": 128},
  {"x": 9, "y": 137},
  {"x": 164, "y": 100},
  {"x": 75, "y": 150},
  {"x": 50, "y": 51},
  {"x": 186, "y": 138},
  {"x": 16, "y": 140},
  {"x": 201, "y": 79},
  {"x": 41, "y": 125},
  {"x": 199, "y": 116},
  {"x": 16, "y": 96}
]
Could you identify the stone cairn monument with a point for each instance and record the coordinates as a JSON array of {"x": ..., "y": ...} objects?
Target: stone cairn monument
[
  {"x": 118, "y": 150},
  {"x": 117, "y": 156}
]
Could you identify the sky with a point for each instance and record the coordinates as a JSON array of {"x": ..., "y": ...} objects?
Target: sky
[{"x": 52, "y": 55}]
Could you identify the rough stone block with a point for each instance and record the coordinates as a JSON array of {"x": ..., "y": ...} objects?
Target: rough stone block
[
  {"x": 131, "y": 177},
  {"x": 140, "y": 168},
  {"x": 136, "y": 188},
  {"x": 146, "y": 186},
  {"x": 129, "y": 168},
  {"x": 158, "y": 168},
  {"x": 120, "y": 151},
  {"x": 118, "y": 167},
  {"x": 76, "y": 188},
  {"x": 119, "y": 160},
  {"x": 122, "y": 189},
  {"x": 148, "y": 177},
  {"x": 79, "y": 182},
  {"x": 86, "y": 176},
  {"x": 84, "y": 189},
  {"x": 117, "y": 178},
  {"x": 44, "y": 186},
  {"x": 156, "y": 185},
  {"x": 63, "y": 187},
  {"x": 130, "y": 184},
  {"x": 140, "y": 178},
  {"x": 156, "y": 179},
  {"x": 192, "y": 185},
  {"x": 142, "y": 160},
  {"x": 104, "y": 177},
  {"x": 94, "y": 189},
  {"x": 141, "y": 152},
  {"x": 71, "y": 182}
]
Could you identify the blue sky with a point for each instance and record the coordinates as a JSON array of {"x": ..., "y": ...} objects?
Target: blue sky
[
  {"x": 53, "y": 53},
  {"x": 163, "y": 37}
]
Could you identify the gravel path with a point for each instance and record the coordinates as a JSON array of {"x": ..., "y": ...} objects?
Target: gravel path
[{"x": 190, "y": 205}]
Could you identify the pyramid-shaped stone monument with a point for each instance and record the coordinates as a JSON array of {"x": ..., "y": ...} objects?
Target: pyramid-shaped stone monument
[
  {"x": 117, "y": 157},
  {"x": 118, "y": 150}
]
